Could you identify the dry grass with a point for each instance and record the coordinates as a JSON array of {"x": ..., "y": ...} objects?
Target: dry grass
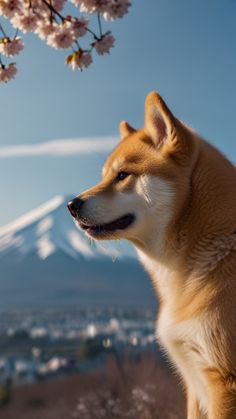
[{"x": 132, "y": 389}]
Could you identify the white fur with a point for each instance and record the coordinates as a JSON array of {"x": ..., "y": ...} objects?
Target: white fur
[
  {"x": 150, "y": 201},
  {"x": 181, "y": 339},
  {"x": 181, "y": 342},
  {"x": 157, "y": 192},
  {"x": 158, "y": 195},
  {"x": 188, "y": 362},
  {"x": 101, "y": 209}
]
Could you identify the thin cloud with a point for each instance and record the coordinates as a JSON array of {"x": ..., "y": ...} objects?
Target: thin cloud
[{"x": 59, "y": 148}]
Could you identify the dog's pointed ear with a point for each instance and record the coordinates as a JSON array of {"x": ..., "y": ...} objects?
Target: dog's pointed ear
[
  {"x": 159, "y": 122},
  {"x": 125, "y": 129}
]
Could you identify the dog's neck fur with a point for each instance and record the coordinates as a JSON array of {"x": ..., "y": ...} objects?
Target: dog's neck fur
[{"x": 190, "y": 237}]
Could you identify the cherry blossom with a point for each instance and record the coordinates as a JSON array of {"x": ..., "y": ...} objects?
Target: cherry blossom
[
  {"x": 93, "y": 6},
  {"x": 10, "y": 47},
  {"x": 26, "y": 21},
  {"x": 9, "y": 8},
  {"x": 79, "y": 60},
  {"x": 62, "y": 37},
  {"x": 47, "y": 20},
  {"x": 78, "y": 26},
  {"x": 117, "y": 9},
  {"x": 104, "y": 44},
  {"x": 7, "y": 72},
  {"x": 45, "y": 29},
  {"x": 58, "y": 4}
]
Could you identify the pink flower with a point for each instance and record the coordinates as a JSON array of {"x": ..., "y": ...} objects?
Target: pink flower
[
  {"x": 41, "y": 7},
  {"x": 111, "y": 9},
  {"x": 26, "y": 21},
  {"x": 48, "y": 20},
  {"x": 78, "y": 26},
  {"x": 117, "y": 9},
  {"x": 85, "y": 60},
  {"x": 7, "y": 73},
  {"x": 92, "y": 6},
  {"x": 8, "y": 8},
  {"x": 11, "y": 47},
  {"x": 62, "y": 38},
  {"x": 104, "y": 44},
  {"x": 45, "y": 29},
  {"x": 58, "y": 4},
  {"x": 79, "y": 60}
]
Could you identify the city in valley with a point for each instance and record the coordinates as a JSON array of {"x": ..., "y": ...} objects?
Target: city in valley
[{"x": 36, "y": 345}]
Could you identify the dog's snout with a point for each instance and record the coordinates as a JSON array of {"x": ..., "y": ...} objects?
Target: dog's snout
[{"x": 75, "y": 206}]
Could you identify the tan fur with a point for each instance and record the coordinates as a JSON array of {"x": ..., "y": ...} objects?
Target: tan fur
[{"x": 186, "y": 240}]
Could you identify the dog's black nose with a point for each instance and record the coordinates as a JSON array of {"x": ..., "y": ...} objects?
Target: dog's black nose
[{"x": 75, "y": 206}]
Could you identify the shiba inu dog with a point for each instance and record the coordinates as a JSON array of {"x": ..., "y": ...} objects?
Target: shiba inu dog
[{"x": 173, "y": 196}]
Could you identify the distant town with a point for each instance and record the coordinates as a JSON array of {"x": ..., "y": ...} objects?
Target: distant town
[{"x": 36, "y": 345}]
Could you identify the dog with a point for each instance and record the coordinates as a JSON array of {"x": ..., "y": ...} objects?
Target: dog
[{"x": 173, "y": 196}]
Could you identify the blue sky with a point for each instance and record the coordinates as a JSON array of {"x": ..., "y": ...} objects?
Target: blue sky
[{"x": 185, "y": 49}]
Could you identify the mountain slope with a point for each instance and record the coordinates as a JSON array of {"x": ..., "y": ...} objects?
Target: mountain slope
[
  {"x": 45, "y": 260},
  {"x": 50, "y": 228}
]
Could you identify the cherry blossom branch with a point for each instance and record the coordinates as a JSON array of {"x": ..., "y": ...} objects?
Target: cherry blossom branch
[
  {"x": 99, "y": 24},
  {"x": 47, "y": 20},
  {"x": 16, "y": 33},
  {"x": 2, "y": 30},
  {"x": 52, "y": 9},
  {"x": 92, "y": 33}
]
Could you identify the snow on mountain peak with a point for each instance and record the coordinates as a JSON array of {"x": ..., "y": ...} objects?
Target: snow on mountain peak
[
  {"x": 50, "y": 228},
  {"x": 32, "y": 216}
]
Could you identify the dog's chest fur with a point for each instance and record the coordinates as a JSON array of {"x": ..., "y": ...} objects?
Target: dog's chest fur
[{"x": 186, "y": 342}]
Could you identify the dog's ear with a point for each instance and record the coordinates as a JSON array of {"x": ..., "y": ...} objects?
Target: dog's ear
[
  {"x": 125, "y": 129},
  {"x": 159, "y": 122},
  {"x": 165, "y": 131}
]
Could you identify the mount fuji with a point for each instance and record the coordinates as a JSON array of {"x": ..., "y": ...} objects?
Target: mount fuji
[
  {"x": 50, "y": 228},
  {"x": 46, "y": 260}
]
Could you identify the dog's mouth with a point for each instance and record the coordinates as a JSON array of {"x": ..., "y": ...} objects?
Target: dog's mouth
[{"x": 101, "y": 229}]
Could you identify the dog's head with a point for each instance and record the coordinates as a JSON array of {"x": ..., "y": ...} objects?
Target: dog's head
[{"x": 144, "y": 181}]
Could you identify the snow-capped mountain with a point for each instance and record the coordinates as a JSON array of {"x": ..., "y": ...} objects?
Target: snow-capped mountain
[
  {"x": 50, "y": 228},
  {"x": 46, "y": 260}
]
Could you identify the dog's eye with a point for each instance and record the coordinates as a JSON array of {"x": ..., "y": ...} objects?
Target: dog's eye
[{"x": 121, "y": 176}]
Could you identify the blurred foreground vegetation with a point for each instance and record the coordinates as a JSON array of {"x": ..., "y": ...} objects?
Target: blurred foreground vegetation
[{"x": 134, "y": 388}]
